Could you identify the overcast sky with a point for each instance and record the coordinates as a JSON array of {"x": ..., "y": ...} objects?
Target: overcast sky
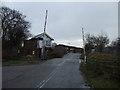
[{"x": 65, "y": 19}]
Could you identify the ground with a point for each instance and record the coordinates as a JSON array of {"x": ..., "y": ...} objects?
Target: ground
[{"x": 55, "y": 73}]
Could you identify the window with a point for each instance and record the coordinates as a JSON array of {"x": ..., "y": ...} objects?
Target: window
[
  {"x": 48, "y": 43},
  {"x": 39, "y": 45}
]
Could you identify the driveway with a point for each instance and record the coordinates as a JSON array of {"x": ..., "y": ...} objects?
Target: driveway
[{"x": 55, "y": 73}]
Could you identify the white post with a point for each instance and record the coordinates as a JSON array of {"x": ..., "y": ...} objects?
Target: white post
[
  {"x": 43, "y": 46},
  {"x": 84, "y": 46}
]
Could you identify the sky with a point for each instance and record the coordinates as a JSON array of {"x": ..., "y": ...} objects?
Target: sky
[{"x": 66, "y": 19}]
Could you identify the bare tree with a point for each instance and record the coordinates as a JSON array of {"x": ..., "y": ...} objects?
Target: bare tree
[
  {"x": 90, "y": 42},
  {"x": 15, "y": 29},
  {"x": 116, "y": 45},
  {"x": 98, "y": 42},
  {"x": 101, "y": 42}
]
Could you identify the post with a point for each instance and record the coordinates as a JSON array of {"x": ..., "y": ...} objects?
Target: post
[
  {"x": 84, "y": 46},
  {"x": 45, "y": 21},
  {"x": 43, "y": 46}
]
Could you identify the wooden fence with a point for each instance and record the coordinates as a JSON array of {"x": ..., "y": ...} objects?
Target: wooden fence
[{"x": 111, "y": 68}]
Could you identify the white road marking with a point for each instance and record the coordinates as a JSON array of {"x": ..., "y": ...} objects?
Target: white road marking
[
  {"x": 48, "y": 79},
  {"x": 61, "y": 63},
  {"x": 40, "y": 83}
]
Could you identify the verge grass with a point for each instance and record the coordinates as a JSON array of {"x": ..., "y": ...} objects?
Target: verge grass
[
  {"x": 22, "y": 61},
  {"x": 96, "y": 77}
]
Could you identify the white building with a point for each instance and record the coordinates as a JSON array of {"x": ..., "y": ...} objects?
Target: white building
[
  {"x": 34, "y": 46},
  {"x": 48, "y": 40}
]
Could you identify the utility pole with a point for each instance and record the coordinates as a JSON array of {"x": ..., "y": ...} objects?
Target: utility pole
[
  {"x": 43, "y": 46},
  {"x": 84, "y": 45}
]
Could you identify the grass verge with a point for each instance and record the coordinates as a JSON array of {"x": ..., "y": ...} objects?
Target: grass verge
[
  {"x": 96, "y": 77},
  {"x": 21, "y": 62},
  {"x": 97, "y": 80}
]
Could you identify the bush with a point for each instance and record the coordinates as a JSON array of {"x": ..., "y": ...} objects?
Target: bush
[
  {"x": 58, "y": 52},
  {"x": 28, "y": 57},
  {"x": 81, "y": 56}
]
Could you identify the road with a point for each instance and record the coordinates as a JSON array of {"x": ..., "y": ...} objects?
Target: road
[{"x": 55, "y": 73}]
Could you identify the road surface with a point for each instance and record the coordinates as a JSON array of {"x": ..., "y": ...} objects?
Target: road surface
[{"x": 55, "y": 73}]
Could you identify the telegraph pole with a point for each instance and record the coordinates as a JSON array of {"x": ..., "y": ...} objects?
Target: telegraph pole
[
  {"x": 84, "y": 45},
  {"x": 43, "y": 46}
]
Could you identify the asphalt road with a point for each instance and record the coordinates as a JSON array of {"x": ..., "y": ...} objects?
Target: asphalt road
[{"x": 55, "y": 73}]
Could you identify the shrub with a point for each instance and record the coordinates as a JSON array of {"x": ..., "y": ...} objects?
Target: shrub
[
  {"x": 59, "y": 52},
  {"x": 28, "y": 57},
  {"x": 81, "y": 56}
]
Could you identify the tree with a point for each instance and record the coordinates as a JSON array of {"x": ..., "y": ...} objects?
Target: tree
[
  {"x": 116, "y": 45},
  {"x": 15, "y": 28},
  {"x": 90, "y": 42},
  {"x": 101, "y": 41},
  {"x": 98, "y": 42}
]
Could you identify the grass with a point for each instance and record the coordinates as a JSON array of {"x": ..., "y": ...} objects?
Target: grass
[
  {"x": 94, "y": 76},
  {"x": 99, "y": 81},
  {"x": 21, "y": 61}
]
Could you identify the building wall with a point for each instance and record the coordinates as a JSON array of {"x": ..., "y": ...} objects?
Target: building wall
[
  {"x": 30, "y": 48},
  {"x": 33, "y": 47},
  {"x": 48, "y": 42}
]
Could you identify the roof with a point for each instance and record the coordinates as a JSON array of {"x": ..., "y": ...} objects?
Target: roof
[
  {"x": 69, "y": 46},
  {"x": 41, "y": 36}
]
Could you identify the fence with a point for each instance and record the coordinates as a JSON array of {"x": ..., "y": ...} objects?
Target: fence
[
  {"x": 106, "y": 64},
  {"x": 110, "y": 68}
]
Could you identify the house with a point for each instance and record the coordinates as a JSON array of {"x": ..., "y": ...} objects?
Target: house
[
  {"x": 34, "y": 45},
  {"x": 47, "y": 38}
]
